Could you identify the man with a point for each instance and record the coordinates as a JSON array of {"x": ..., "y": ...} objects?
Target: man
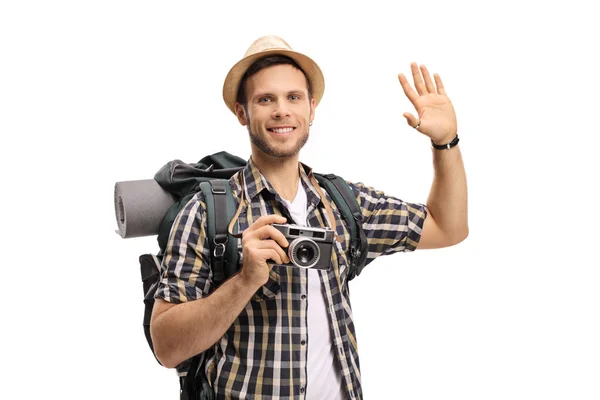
[{"x": 272, "y": 331}]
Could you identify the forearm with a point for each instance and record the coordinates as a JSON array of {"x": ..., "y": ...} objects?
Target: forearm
[
  {"x": 187, "y": 329},
  {"x": 447, "y": 201}
]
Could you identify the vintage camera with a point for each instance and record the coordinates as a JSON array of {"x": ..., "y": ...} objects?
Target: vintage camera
[{"x": 308, "y": 247}]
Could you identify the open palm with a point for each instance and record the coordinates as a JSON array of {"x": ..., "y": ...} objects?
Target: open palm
[{"x": 434, "y": 109}]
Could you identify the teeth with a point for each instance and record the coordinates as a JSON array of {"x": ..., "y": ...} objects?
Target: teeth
[{"x": 283, "y": 130}]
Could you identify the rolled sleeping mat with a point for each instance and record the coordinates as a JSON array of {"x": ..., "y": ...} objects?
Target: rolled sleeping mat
[{"x": 140, "y": 207}]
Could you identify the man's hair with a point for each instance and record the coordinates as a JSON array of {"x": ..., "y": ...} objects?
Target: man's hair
[{"x": 262, "y": 63}]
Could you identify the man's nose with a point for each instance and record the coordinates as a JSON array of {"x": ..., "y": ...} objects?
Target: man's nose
[{"x": 281, "y": 110}]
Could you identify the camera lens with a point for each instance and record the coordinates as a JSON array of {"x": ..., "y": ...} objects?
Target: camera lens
[{"x": 304, "y": 253}]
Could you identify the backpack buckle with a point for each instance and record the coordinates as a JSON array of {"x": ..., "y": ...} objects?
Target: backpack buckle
[
  {"x": 353, "y": 252},
  {"x": 358, "y": 217},
  {"x": 218, "y": 187},
  {"x": 219, "y": 250}
]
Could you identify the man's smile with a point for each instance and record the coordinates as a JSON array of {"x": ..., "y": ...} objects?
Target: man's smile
[{"x": 281, "y": 130}]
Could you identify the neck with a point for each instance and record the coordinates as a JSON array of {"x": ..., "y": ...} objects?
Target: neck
[{"x": 282, "y": 173}]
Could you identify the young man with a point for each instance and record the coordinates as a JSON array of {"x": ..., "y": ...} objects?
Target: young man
[{"x": 274, "y": 331}]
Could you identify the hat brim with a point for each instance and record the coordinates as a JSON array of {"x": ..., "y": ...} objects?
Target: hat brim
[{"x": 310, "y": 68}]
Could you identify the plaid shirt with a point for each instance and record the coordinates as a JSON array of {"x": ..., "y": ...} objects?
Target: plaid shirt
[{"x": 264, "y": 354}]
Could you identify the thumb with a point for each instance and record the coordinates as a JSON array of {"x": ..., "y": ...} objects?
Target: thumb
[{"x": 411, "y": 120}]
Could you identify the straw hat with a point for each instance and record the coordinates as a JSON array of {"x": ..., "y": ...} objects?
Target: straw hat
[{"x": 269, "y": 45}]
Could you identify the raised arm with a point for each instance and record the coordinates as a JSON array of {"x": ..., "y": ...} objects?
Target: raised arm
[{"x": 446, "y": 223}]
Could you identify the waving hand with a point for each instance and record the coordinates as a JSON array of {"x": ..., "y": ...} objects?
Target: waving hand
[{"x": 436, "y": 117}]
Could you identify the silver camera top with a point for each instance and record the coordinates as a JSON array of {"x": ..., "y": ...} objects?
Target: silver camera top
[{"x": 297, "y": 231}]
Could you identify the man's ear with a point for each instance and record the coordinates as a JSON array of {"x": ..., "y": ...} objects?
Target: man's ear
[
  {"x": 312, "y": 109},
  {"x": 240, "y": 113}
]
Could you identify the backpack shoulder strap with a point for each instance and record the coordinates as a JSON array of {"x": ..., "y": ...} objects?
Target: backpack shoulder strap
[
  {"x": 195, "y": 384},
  {"x": 150, "y": 267},
  {"x": 344, "y": 199},
  {"x": 220, "y": 208}
]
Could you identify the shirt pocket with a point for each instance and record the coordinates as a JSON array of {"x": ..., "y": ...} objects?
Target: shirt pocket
[{"x": 269, "y": 290}]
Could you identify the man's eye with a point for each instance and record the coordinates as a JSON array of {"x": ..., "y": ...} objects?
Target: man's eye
[
  {"x": 264, "y": 100},
  {"x": 294, "y": 97}
]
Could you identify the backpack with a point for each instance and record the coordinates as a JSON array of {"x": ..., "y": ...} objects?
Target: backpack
[{"x": 210, "y": 175}]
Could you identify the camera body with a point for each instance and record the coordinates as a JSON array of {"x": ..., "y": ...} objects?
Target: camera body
[{"x": 308, "y": 247}]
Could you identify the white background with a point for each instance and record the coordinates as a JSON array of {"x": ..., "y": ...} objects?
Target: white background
[{"x": 92, "y": 93}]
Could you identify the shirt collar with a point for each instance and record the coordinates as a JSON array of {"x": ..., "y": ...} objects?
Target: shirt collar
[{"x": 255, "y": 182}]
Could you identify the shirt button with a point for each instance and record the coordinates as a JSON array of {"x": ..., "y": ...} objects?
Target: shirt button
[
  {"x": 301, "y": 390},
  {"x": 303, "y": 342},
  {"x": 303, "y": 297}
]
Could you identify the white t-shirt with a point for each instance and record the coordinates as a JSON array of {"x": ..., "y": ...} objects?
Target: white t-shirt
[{"x": 323, "y": 379}]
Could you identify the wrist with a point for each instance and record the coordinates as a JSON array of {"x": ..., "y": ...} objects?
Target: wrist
[
  {"x": 251, "y": 281},
  {"x": 445, "y": 143}
]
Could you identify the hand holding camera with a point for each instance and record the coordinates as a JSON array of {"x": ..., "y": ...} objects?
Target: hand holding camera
[
  {"x": 266, "y": 243},
  {"x": 261, "y": 242}
]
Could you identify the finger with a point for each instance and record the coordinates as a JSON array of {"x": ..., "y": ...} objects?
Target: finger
[
  {"x": 428, "y": 82},
  {"x": 408, "y": 90},
  {"x": 268, "y": 256},
  {"x": 272, "y": 255},
  {"x": 271, "y": 244},
  {"x": 277, "y": 236},
  {"x": 439, "y": 84},
  {"x": 283, "y": 255},
  {"x": 268, "y": 232},
  {"x": 266, "y": 220},
  {"x": 411, "y": 120},
  {"x": 264, "y": 234},
  {"x": 419, "y": 85}
]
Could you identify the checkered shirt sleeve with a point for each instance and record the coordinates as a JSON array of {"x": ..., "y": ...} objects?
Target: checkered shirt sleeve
[
  {"x": 391, "y": 225},
  {"x": 187, "y": 275}
]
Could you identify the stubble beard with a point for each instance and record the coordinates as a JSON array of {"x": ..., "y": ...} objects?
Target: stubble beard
[{"x": 263, "y": 146}]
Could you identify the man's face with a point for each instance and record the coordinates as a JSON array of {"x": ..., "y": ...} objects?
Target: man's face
[{"x": 279, "y": 110}]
